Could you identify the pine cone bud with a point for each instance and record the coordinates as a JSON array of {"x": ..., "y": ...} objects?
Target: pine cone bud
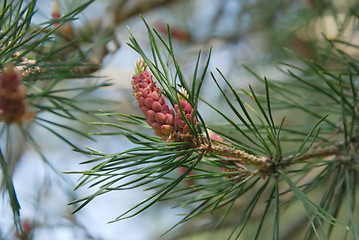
[
  {"x": 182, "y": 129},
  {"x": 180, "y": 124},
  {"x": 151, "y": 102},
  {"x": 166, "y": 123},
  {"x": 65, "y": 29},
  {"x": 214, "y": 136},
  {"x": 56, "y": 12},
  {"x": 12, "y": 97}
]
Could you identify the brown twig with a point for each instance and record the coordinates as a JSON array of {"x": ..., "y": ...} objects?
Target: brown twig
[
  {"x": 317, "y": 152},
  {"x": 262, "y": 163}
]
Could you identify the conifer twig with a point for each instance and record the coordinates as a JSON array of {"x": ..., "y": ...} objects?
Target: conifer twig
[
  {"x": 327, "y": 151},
  {"x": 260, "y": 162},
  {"x": 320, "y": 152}
]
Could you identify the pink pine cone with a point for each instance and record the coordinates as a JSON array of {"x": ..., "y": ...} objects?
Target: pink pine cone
[
  {"x": 152, "y": 104},
  {"x": 187, "y": 111},
  {"x": 166, "y": 123}
]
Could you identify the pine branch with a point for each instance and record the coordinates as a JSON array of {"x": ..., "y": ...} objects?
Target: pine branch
[{"x": 256, "y": 157}]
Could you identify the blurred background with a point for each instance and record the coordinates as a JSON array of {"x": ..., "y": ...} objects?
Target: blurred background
[{"x": 257, "y": 33}]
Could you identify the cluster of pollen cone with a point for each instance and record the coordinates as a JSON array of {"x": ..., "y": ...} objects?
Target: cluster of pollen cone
[{"x": 167, "y": 123}]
